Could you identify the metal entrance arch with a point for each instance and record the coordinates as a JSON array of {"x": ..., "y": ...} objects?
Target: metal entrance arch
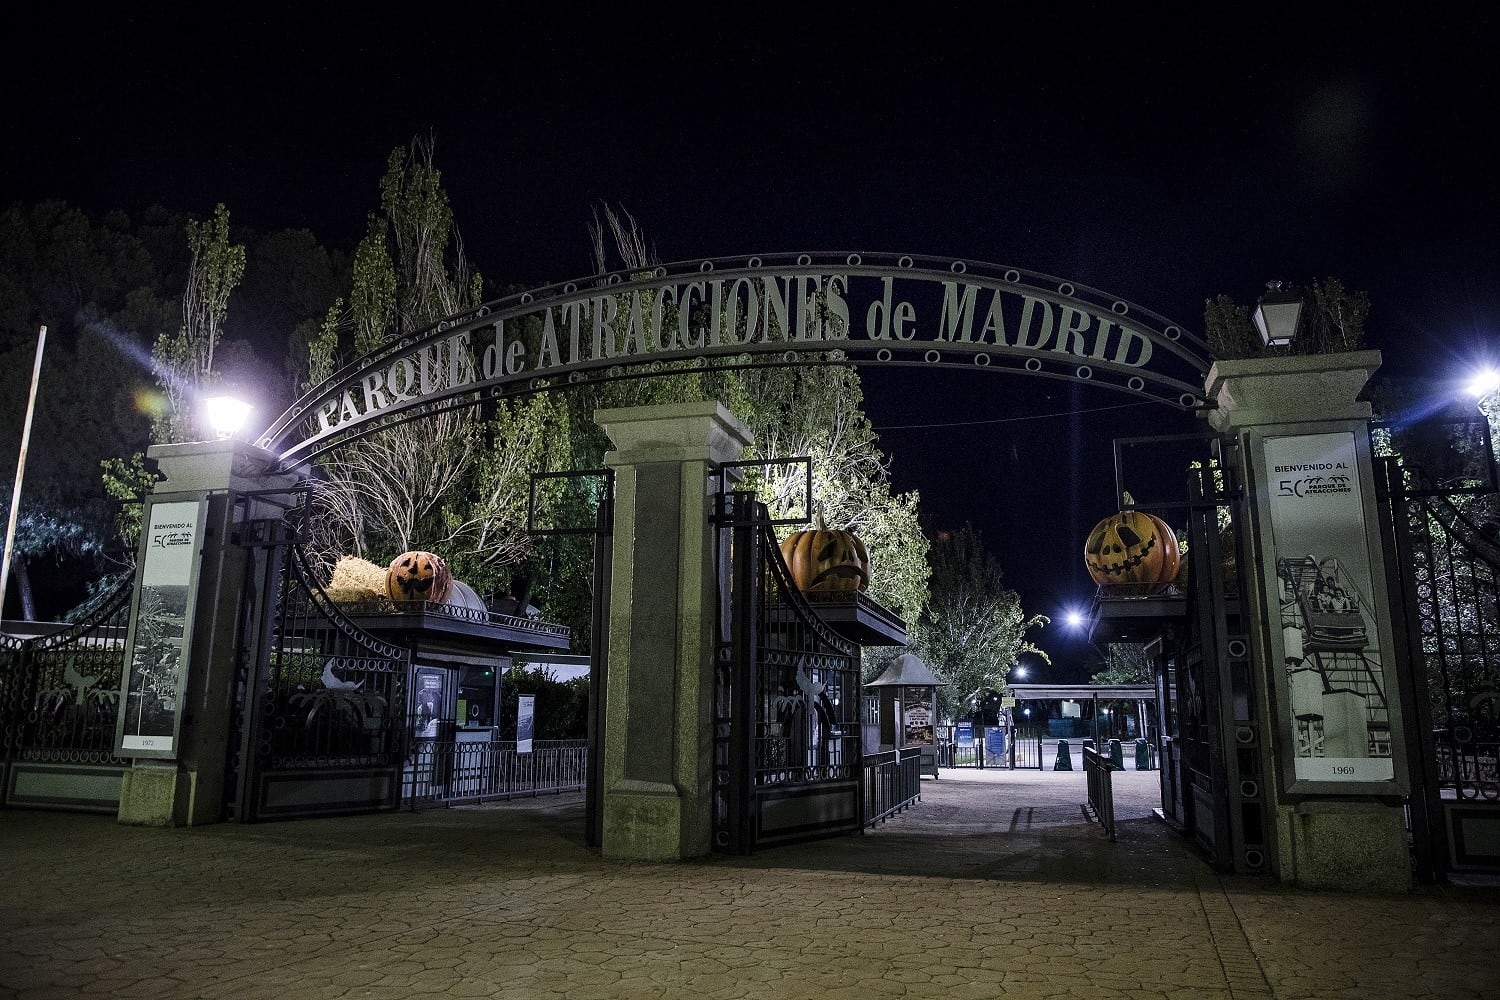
[{"x": 755, "y": 311}]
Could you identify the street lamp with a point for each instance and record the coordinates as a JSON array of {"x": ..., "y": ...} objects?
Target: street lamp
[
  {"x": 1484, "y": 382},
  {"x": 1276, "y": 314},
  {"x": 1484, "y": 386},
  {"x": 226, "y": 415}
]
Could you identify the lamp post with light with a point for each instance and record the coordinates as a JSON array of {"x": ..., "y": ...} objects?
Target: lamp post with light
[
  {"x": 227, "y": 415},
  {"x": 1019, "y": 671},
  {"x": 1277, "y": 314},
  {"x": 1484, "y": 386}
]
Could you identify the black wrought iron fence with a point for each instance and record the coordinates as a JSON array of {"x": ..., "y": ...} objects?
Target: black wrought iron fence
[
  {"x": 1468, "y": 769},
  {"x": 1100, "y": 774},
  {"x": 893, "y": 781},
  {"x": 458, "y": 770},
  {"x": 59, "y": 690},
  {"x": 1447, "y": 546},
  {"x": 335, "y": 696}
]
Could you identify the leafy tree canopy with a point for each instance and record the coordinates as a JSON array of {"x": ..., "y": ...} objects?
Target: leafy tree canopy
[
  {"x": 1124, "y": 663},
  {"x": 974, "y": 627}
]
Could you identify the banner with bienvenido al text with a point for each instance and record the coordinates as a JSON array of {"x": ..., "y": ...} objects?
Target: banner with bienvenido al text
[
  {"x": 161, "y": 632},
  {"x": 1333, "y": 683}
]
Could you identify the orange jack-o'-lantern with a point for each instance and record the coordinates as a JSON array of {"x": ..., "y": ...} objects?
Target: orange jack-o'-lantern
[
  {"x": 826, "y": 560},
  {"x": 418, "y": 576},
  {"x": 1132, "y": 548}
]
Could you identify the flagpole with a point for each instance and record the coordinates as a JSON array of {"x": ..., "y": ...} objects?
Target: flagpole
[{"x": 15, "y": 494}]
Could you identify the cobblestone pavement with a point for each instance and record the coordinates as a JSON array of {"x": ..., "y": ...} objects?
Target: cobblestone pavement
[{"x": 995, "y": 885}]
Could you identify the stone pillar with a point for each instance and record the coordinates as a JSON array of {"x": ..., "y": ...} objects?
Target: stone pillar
[
  {"x": 657, "y": 740},
  {"x": 1331, "y": 831},
  {"x": 186, "y": 787}
]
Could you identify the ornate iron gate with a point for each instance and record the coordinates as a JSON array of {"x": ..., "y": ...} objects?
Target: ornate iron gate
[
  {"x": 786, "y": 739},
  {"x": 1211, "y": 747},
  {"x": 319, "y": 725},
  {"x": 58, "y": 698},
  {"x": 1219, "y": 779},
  {"x": 1447, "y": 543}
]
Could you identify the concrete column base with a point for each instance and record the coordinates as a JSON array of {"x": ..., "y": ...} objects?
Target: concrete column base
[
  {"x": 1347, "y": 845},
  {"x": 643, "y": 822},
  {"x": 156, "y": 795}
]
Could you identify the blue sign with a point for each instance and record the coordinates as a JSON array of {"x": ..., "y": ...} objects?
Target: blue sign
[
  {"x": 965, "y": 735},
  {"x": 994, "y": 742}
]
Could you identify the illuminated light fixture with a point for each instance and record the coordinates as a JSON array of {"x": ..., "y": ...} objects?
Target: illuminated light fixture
[
  {"x": 1484, "y": 382},
  {"x": 1074, "y": 618},
  {"x": 1020, "y": 671},
  {"x": 227, "y": 415},
  {"x": 1277, "y": 314}
]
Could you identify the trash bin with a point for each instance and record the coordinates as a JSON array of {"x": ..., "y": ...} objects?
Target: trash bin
[
  {"x": 1116, "y": 755},
  {"x": 1145, "y": 755},
  {"x": 1064, "y": 760}
]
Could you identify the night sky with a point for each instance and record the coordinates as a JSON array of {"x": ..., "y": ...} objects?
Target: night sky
[{"x": 1164, "y": 153}]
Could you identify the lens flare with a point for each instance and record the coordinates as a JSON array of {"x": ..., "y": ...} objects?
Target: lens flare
[{"x": 1484, "y": 382}]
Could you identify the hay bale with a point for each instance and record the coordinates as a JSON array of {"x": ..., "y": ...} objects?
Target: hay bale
[
  {"x": 358, "y": 581},
  {"x": 354, "y": 573}
]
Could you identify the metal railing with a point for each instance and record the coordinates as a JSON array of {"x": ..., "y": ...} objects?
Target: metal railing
[
  {"x": 1023, "y": 750},
  {"x": 893, "y": 781},
  {"x": 1099, "y": 772},
  {"x": 449, "y": 772}
]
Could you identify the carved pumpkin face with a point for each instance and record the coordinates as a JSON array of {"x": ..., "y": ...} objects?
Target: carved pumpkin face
[
  {"x": 824, "y": 560},
  {"x": 418, "y": 576},
  {"x": 1132, "y": 547}
]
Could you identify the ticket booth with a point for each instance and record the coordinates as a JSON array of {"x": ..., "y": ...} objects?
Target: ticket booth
[{"x": 907, "y": 692}]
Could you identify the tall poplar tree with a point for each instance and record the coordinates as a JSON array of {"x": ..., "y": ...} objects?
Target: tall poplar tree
[
  {"x": 183, "y": 362},
  {"x": 973, "y": 628},
  {"x": 452, "y": 481}
]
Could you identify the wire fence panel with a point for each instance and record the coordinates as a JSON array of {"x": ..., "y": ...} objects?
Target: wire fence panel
[{"x": 449, "y": 772}]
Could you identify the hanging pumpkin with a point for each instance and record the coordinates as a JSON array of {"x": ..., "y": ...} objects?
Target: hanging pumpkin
[
  {"x": 418, "y": 576},
  {"x": 822, "y": 559},
  {"x": 1132, "y": 547}
]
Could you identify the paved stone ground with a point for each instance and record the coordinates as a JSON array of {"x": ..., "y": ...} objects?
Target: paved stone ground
[{"x": 995, "y": 885}]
